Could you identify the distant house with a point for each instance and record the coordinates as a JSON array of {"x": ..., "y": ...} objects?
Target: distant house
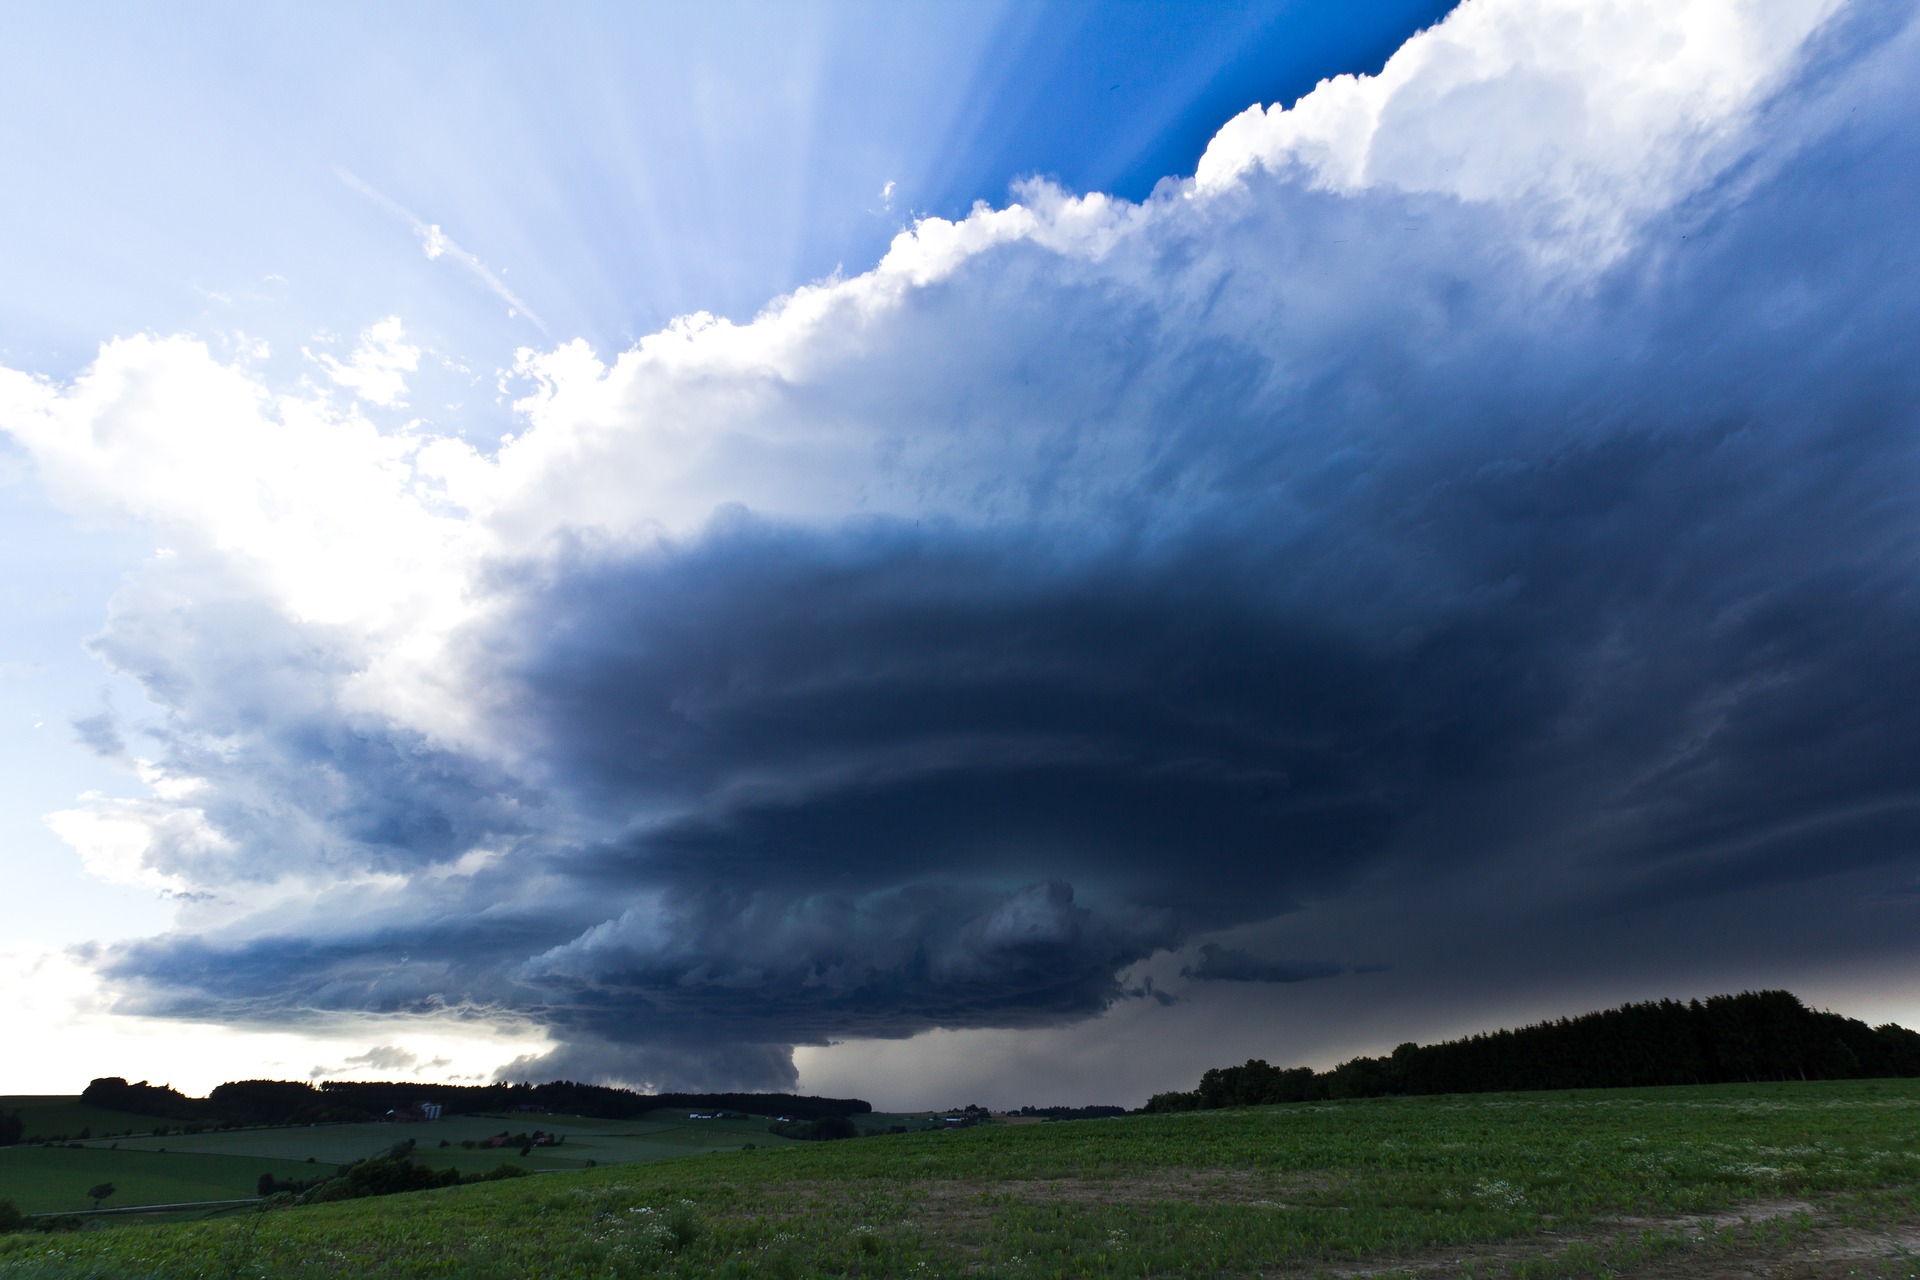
[{"x": 418, "y": 1113}]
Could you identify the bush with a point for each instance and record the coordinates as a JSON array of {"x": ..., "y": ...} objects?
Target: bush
[
  {"x": 11, "y": 1219},
  {"x": 272, "y": 1186},
  {"x": 683, "y": 1224},
  {"x": 387, "y": 1175},
  {"x": 499, "y": 1172},
  {"x": 825, "y": 1129}
]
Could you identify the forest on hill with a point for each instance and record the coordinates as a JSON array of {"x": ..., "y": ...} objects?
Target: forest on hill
[
  {"x": 1746, "y": 1038},
  {"x": 269, "y": 1102}
]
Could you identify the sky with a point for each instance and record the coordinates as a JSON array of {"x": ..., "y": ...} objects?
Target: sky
[{"x": 947, "y": 553}]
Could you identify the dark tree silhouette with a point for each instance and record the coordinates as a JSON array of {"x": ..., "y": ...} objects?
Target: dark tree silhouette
[
  {"x": 268, "y": 1102},
  {"x": 1757, "y": 1035}
]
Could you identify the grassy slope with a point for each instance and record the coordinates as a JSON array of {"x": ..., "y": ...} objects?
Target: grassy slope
[
  {"x": 1219, "y": 1193},
  {"x": 40, "y": 1180}
]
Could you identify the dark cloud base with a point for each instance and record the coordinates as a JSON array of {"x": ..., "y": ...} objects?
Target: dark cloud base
[{"x": 1232, "y": 964}]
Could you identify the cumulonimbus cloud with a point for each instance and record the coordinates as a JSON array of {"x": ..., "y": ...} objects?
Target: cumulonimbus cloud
[{"x": 1499, "y": 468}]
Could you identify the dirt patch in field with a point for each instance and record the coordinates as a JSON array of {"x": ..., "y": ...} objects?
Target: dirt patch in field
[
  {"x": 1784, "y": 1239},
  {"x": 1717, "y": 1246},
  {"x": 1763, "y": 1211},
  {"x": 1832, "y": 1253}
]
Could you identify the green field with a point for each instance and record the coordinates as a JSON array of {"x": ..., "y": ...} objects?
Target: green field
[
  {"x": 1815, "y": 1179},
  {"x": 227, "y": 1164},
  {"x": 42, "y": 1180},
  {"x": 597, "y": 1141},
  {"x": 65, "y": 1116}
]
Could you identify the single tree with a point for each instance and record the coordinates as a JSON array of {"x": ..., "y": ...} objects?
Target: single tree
[{"x": 99, "y": 1193}]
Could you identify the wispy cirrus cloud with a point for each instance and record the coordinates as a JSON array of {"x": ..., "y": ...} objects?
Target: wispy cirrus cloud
[{"x": 437, "y": 244}]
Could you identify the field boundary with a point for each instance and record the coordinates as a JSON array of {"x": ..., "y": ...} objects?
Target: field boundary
[{"x": 146, "y": 1208}]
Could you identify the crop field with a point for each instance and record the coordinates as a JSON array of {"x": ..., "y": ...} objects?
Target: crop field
[{"x": 1817, "y": 1179}]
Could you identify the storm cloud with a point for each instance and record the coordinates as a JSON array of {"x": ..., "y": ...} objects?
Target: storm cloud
[
  {"x": 1499, "y": 473},
  {"x": 1231, "y": 964}
]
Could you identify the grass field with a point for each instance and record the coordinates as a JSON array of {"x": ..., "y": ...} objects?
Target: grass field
[
  {"x": 66, "y": 1116},
  {"x": 597, "y": 1141},
  {"x": 42, "y": 1180},
  {"x": 227, "y": 1164},
  {"x": 1806, "y": 1179}
]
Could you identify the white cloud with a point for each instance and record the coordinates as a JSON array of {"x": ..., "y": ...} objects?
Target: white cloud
[
  {"x": 54, "y": 1001},
  {"x": 1593, "y": 112},
  {"x": 377, "y": 371},
  {"x": 117, "y": 838},
  {"x": 350, "y": 525},
  {"x": 332, "y": 513}
]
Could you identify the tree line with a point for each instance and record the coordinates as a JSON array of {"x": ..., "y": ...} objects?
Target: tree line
[
  {"x": 270, "y": 1102},
  {"x": 1753, "y": 1036},
  {"x": 1071, "y": 1113}
]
